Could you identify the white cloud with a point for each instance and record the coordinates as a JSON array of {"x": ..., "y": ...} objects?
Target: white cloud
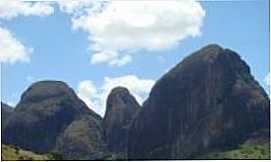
[
  {"x": 76, "y": 7},
  {"x": 127, "y": 25},
  {"x": 267, "y": 79},
  {"x": 104, "y": 56},
  {"x": 87, "y": 92},
  {"x": 95, "y": 97},
  {"x": 11, "y": 50},
  {"x": 12, "y": 8},
  {"x": 121, "y": 61},
  {"x": 117, "y": 26},
  {"x": 111, "y": 57}
]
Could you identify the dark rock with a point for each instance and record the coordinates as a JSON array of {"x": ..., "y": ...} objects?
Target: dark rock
[
  {"x": 47, "y": 110},
  {"x": 209, "y": 100},
  {"x": 120, "y": 109},
  {"x": 6, "y": 111}
]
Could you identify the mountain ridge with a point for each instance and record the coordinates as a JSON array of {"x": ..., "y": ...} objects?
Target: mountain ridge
[{"x": 209, "y": 100}]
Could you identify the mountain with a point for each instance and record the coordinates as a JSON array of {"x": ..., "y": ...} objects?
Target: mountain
[
  {"x": 6, "y": 111},
  {"x": 48, "y": 114},
  {"x": 121, "y": 108},
  {"x": 208, "y": 106},
  {"x": 210, "y": 100}
]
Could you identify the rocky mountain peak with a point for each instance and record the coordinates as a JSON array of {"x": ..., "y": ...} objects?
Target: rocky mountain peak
[
  {"x": 45, "y": 89},
  {"x": 213, "y": 54},
  {"x": 119, "y": 101},
  {"x": 208, "y": 100},
  {"x": 46, "y": 108},
  {"x": 119, "y": 90},
  {"x": 212, "y": 49},
  {"x": 120, "y": 106},
  {"x": 120, "y": 109}
]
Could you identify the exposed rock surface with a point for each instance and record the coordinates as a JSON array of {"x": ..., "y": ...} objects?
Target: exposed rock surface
[
  {"x": 6, "y": 111},
  {"x": 121, "y": 107},
  {"x": 209, "y": 100},
  {"x": 48, "y": 111}
]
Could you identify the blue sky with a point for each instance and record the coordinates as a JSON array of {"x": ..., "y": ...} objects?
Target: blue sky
[{"x": 61, "y": 52}]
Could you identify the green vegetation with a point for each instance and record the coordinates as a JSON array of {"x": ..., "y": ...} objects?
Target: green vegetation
[
  {"x": 55, "y": 156},
  {"x": 12, "y": 153},
  {"x": 245, "y": 151}
]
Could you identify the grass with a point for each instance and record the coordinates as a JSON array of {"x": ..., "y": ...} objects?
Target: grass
[
  {"x": 13, "y": 153},
  {"x": 245, "y": 151}
]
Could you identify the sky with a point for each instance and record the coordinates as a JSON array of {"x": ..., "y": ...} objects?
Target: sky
[{"x": 96, "y": 45}]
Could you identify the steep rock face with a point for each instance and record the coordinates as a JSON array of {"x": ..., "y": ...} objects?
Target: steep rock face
[
  {"x": 120, "y": 109},
  {"x": 45, "y": 111},
  {"x": 6, "y": 111},
  {"x": 209, "y": 100}
]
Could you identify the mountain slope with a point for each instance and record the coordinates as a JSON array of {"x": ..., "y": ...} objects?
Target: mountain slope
[{"x": 209, "y": 100}]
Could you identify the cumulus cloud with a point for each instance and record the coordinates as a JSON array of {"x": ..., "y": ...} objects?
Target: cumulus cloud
[
  {"x": 117, "y": 28},
  {"x": 267, "y": 79},
  {"x": 127, "y": 25},
  {"x": 95, "y": 97},
  {"x": 12, "y": 50},
  {"x": 12, "y": 8}
]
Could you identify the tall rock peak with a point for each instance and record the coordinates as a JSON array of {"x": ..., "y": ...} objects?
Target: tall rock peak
[
  {"x": 119, "y": 90},
  {"x": 209, "y": 100},
  {"x": 120, "y": 110}
]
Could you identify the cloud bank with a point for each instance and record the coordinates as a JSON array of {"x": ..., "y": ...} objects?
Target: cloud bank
[{"x": 117, "y": 27}]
